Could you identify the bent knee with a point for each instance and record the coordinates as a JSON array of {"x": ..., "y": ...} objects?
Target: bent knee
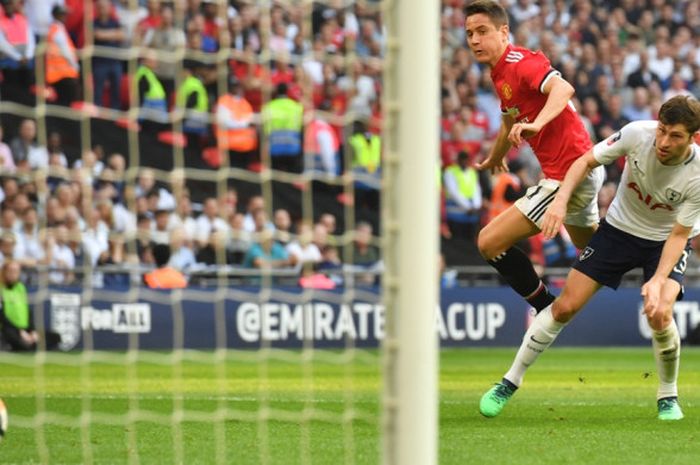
[
  {"x": 564, "y": 310},
  {"x": 660, "y": 321},
  {"x": 488, "y": 244}
]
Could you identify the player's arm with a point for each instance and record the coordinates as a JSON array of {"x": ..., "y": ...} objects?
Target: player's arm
[
  {"x": 672, "y": 251},
  {"x": 577, "y": 172},
  {"x": 494, "y": 161},
  {"x": 559, "y": 93}
]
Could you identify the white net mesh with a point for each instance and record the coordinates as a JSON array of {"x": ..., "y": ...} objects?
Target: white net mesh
[{"x": 261, "y": 358}]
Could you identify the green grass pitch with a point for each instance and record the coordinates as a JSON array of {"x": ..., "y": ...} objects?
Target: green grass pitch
[{"x": 577, "y": 406}]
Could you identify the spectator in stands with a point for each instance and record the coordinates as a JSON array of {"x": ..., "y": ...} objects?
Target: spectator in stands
[
  {"x": 160, "y": 234},
  {"x": 152, "y": 96},
  {"x": 151, "y": 19},
  {"x": 182, "y": 256},
  {"x": 321, "y": 146},
  {"x": 27, "y": 153},
  {"x": 95, "y": 237},
  {"x": 16, "y": 316},
  {"x": 106, "y": 69},
  {"x": 209, "y": 221},
  {"x": 239, "y": 240},
  {"x": 164, "y": 276},
  {"x": 60, "y": 256},
  {"x": 165, "y": 36},
  {"x": 643, "y": 76},
  {"x": 62, "y": 67},
  {"x": 129, "y": 16},
  {"x": 282, "y": 124},
  {"x": 17, "y": 46},
  {"x": 463, "y": 197},
  {"x": 7, "y": 162},
  {"x": 265, "y": 253},
  {"x": 235, "y": 131},
  {"x": 283, "y": 225},
  {"x": 302, "y": 251},
  {"x": 182, "y": 218},
  {"x": 29, "y": 247},
  {"x": 639, "y": 109},
  {"x": 8, "y": 244},
  {"x": 364, "y": 254}
]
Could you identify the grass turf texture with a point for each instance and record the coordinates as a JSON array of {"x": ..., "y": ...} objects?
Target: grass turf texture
[{"x": 577, "y": 406}]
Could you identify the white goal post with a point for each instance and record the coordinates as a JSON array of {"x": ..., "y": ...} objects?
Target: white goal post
[{"x": 410, "y": 231}]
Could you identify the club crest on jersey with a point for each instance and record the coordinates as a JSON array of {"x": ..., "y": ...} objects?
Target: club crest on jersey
[
  {"x": 587, "y": 252},
  {"x": 672, "y": 196},
  {"x": 507, "y": 91},
  {"x": 615, "y": 138}
]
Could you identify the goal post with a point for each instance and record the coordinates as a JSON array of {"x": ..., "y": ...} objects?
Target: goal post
[{"x": 410, "y": 226}]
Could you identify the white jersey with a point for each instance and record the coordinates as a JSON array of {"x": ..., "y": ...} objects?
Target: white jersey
[{"x": 651, "y": 196}]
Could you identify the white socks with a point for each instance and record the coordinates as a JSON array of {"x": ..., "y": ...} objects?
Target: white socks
[
  {"x": 540, "y": 335},
  {"x": 667, "y": 350}
]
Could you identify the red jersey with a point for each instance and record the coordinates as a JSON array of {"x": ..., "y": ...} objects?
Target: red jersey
[{"x": 519, "y": 77}]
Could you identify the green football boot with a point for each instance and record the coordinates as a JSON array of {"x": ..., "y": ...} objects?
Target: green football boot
[
  {"x": 669, "y": 409},
  {"x": 496, "y": 398}
]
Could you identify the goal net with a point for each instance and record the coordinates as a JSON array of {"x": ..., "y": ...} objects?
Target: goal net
[{"x": 259, "y": 151}]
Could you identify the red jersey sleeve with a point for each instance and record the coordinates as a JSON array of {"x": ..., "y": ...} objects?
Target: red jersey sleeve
[{"x": 533, "y": 70}]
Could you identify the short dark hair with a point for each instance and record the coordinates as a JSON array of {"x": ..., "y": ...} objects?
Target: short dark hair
[
  {"x": 681, "y": 109},
  {"x": 494, "y": 10},
  {"x": 161, "y": 254}
]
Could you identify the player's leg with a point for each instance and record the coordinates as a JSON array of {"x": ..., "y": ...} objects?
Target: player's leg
[
  {"x": 544, "y": 329},
  {"x": 666, "y": 344},
  {"x": 496, "y": 244},
  {"x": 582, "y": 216},
  {"x": 580, "y": 235}
]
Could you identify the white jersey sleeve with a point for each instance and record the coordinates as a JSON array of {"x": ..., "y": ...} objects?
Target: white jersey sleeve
[{"x": 623, "y": 142}]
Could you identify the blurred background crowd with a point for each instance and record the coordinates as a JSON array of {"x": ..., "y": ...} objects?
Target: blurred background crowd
[{"x": 172, "y": 89}]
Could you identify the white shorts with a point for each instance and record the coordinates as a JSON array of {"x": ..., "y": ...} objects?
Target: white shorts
[{"x": 583, "y": 205}]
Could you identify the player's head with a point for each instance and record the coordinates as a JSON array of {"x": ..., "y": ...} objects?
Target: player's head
[
  {"x": 679, "y": 121},
  {"x": 487, "y": 30}
]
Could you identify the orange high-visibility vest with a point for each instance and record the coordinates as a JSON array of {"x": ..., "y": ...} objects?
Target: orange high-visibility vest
[
  {"x": 239, "y": 139},
  {"x": 165, "y": 278},
  {"x": 57, "y": 66},
  {"x": 499, "y": 204}
]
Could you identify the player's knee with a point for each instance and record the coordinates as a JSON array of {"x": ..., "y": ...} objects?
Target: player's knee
[
  {"x": 660, "y": 320},
  {"x": 486, "y": 244},
  {"x": 564, "y": 309}
]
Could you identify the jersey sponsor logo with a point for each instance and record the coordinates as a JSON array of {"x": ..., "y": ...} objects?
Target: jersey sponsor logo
[
  {"x": 585, "y": 253},
  {"x": 507, "y": 91},
  {"x": 615, "y": 138},
  {"x": 646, "y": 198},
  {"x": 672, "y": 195}
]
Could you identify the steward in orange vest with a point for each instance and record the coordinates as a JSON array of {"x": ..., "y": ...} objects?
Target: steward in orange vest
[
  {"x": 234, "y": 121},
  {"x": 164, "y": 277},
  {"x": 508, "y": 188},
  {"x": 62, "y": 67}
]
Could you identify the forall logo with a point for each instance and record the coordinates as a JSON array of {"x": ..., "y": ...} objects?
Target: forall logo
[{"x": 646, "y": 198}]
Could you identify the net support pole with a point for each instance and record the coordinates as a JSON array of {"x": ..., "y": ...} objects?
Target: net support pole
[{"x": 410, "y": 232}]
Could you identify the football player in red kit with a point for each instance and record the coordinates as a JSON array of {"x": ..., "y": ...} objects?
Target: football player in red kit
[{"x": 536, "y": 108}]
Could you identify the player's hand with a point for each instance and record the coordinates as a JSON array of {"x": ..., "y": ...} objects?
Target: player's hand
[
  {"x": 495, "y": 166},
  {"x": 651, "y": 291},
  {"x": 520, "y": 130},
  {"x": 553, "y": 218}
]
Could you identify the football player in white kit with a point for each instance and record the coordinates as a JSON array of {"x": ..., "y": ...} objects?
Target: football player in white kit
[{"x": 648, "y": 225}]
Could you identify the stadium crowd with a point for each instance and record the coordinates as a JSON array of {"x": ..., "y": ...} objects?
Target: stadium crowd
[{"x": 301, "y": 85}]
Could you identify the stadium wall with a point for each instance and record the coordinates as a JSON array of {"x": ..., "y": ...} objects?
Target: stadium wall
[{"x": 287, "y": 318}]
